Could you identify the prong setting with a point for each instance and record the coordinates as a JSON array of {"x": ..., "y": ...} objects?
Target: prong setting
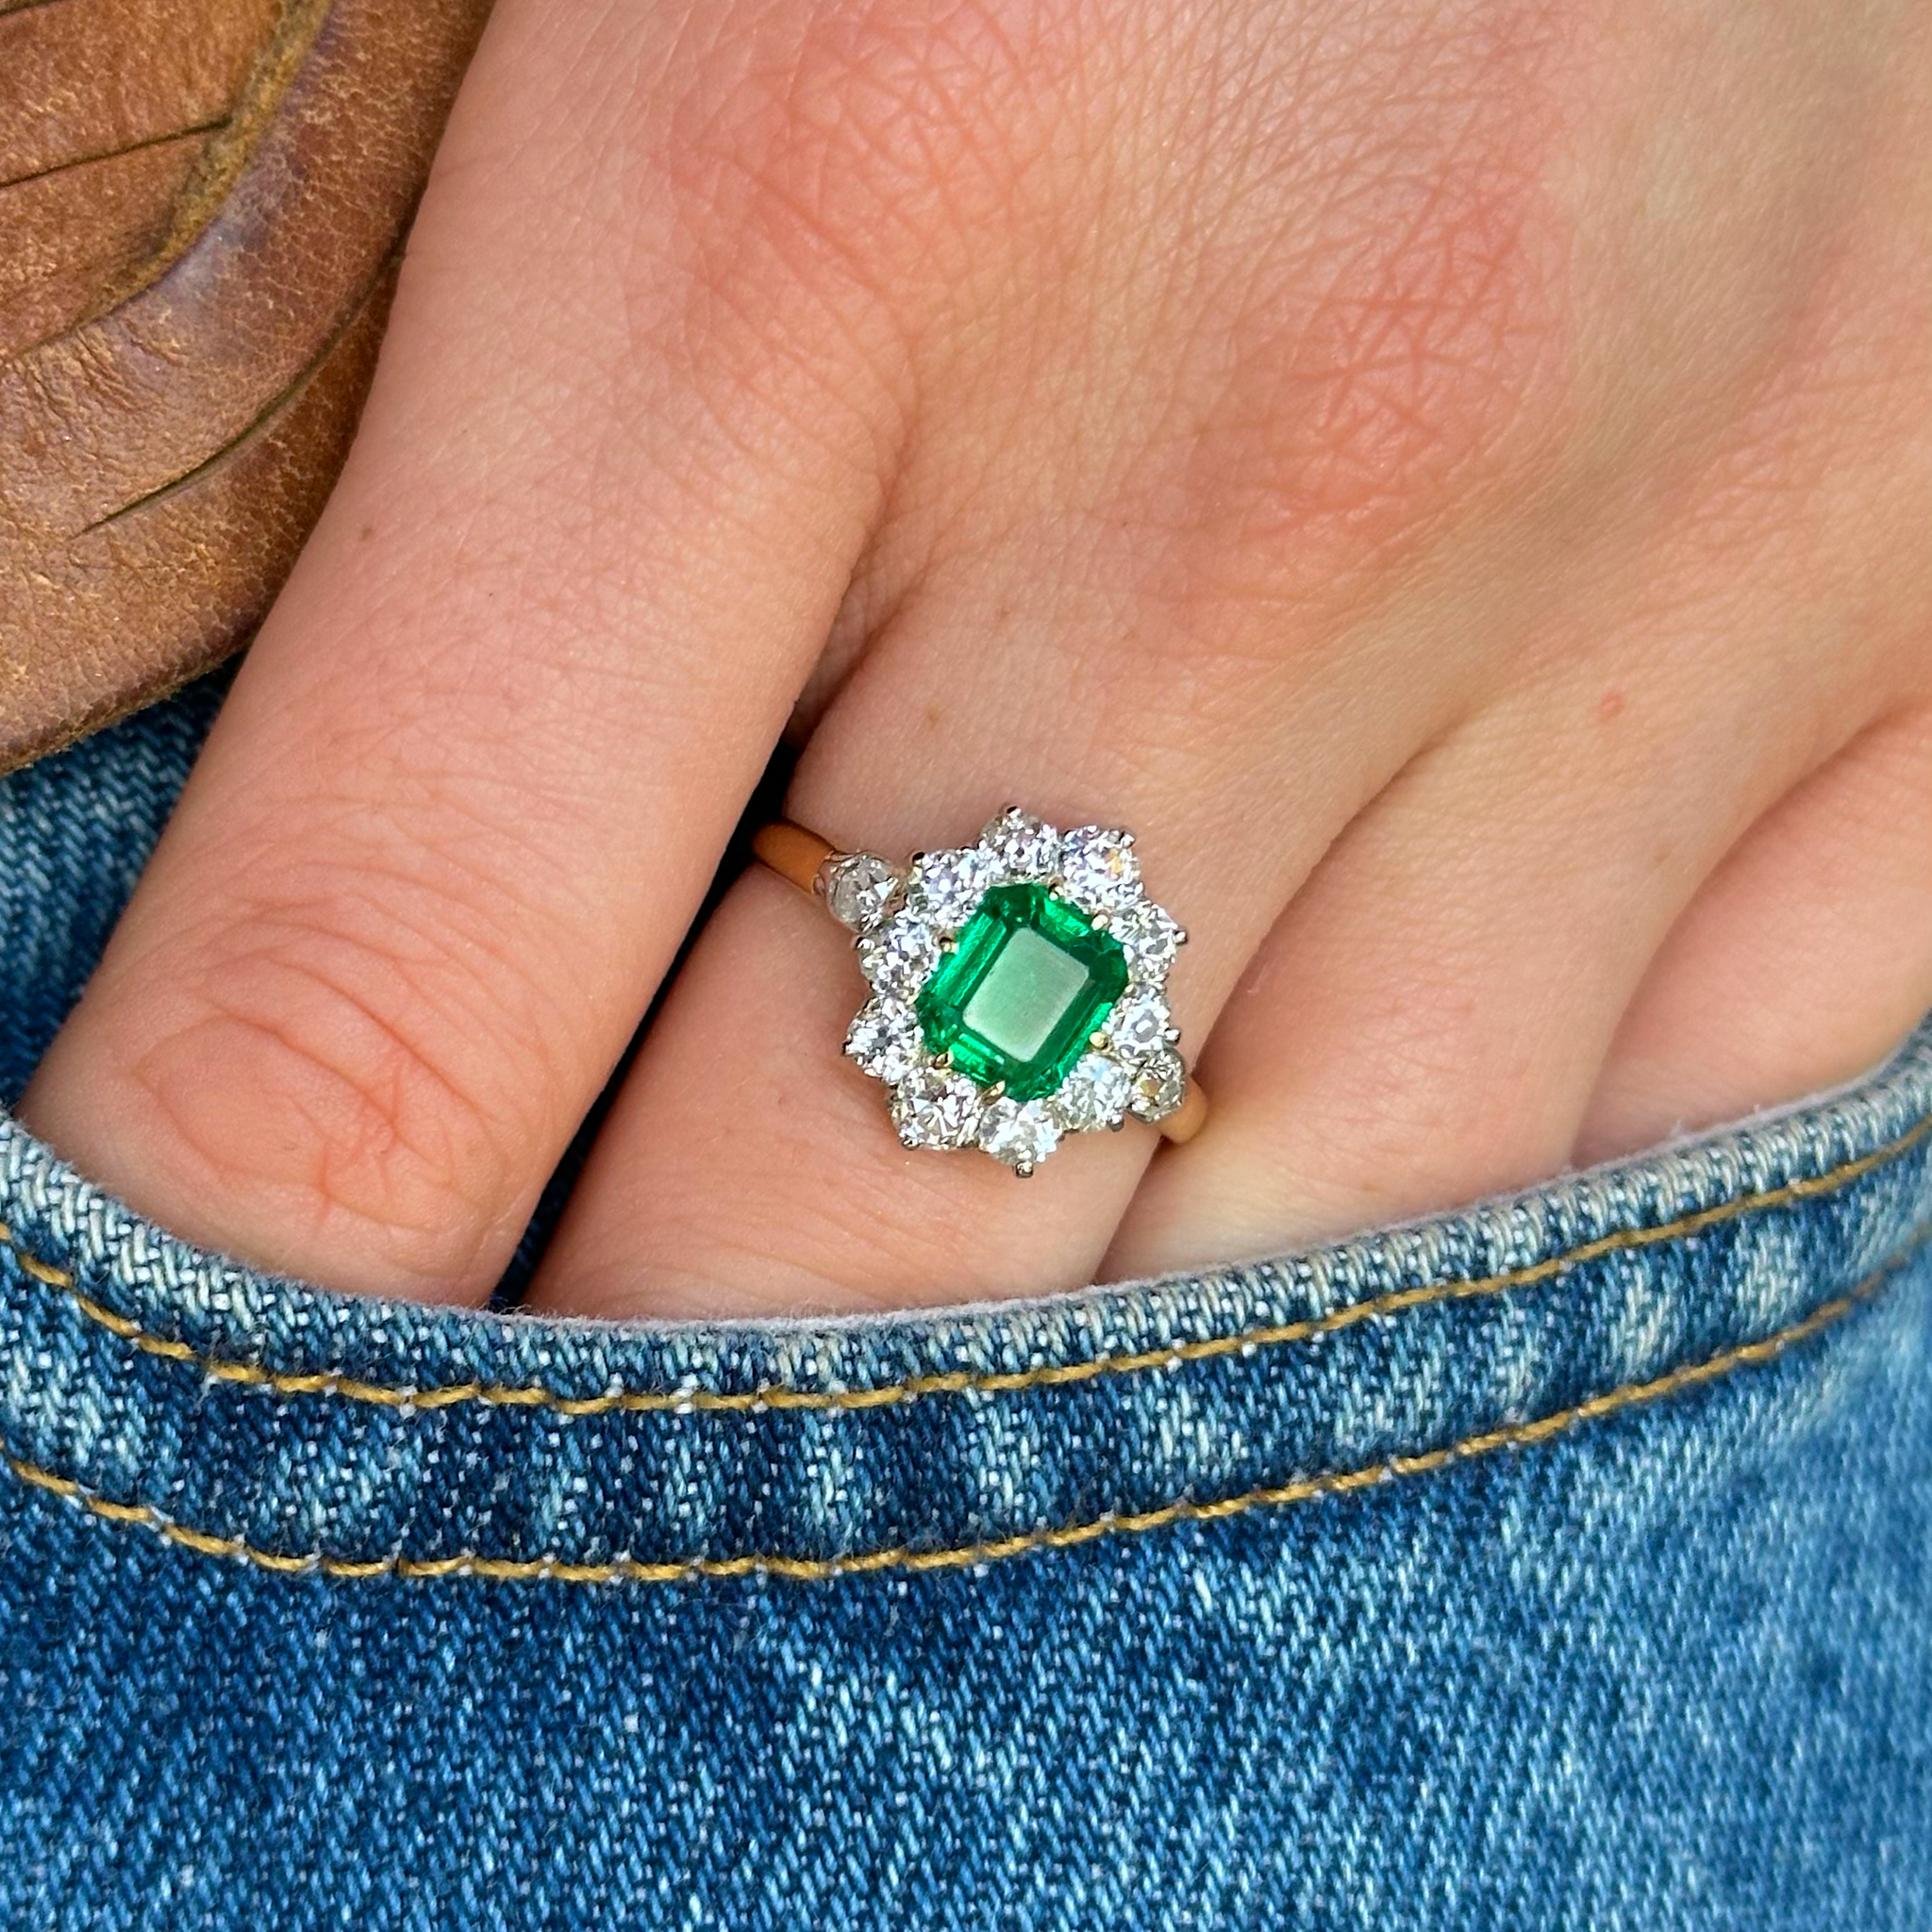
[{"x": 937, "y": 966}]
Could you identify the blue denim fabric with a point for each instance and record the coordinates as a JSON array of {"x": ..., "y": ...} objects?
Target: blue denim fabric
[
  {"x": 75, "y": 833},
  {"x": 1563, "y": 1562}
]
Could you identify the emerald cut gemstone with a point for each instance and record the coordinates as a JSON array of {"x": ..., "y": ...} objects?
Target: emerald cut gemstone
[{"x": 1029, "y": 983}]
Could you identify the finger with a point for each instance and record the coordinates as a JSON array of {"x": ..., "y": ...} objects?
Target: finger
[
  {"x": 1430, "y": 1019},
  {"x": 1425, "y": 1023},
  {"x": 1804, "y": 957},
  {"x": 1155, "y": 486},
  {"x": 474, "y": 776},
  {"x": 745, "y": 1167}
]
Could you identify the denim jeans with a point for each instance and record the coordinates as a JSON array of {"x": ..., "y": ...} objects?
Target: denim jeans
[{"x": 1566, "y": 1562}]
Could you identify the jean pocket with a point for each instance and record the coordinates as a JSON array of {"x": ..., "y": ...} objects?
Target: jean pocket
[
  {"x": 236, "y": 1414},
  {"x": 1560, "y": 1561}
]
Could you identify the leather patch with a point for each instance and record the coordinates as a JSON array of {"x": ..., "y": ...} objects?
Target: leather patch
[{"x": 202, "y": 209}]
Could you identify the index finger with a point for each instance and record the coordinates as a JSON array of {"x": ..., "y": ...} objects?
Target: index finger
[{"x": 471, "y": 783}]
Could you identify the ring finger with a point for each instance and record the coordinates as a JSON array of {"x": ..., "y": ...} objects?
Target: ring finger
[{"x": 744, "y": 1167}]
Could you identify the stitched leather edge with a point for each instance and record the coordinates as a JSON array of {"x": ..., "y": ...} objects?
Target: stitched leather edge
[
  {"x": 968, "y": 1556},
  {"x": 958, "y": 1382}
]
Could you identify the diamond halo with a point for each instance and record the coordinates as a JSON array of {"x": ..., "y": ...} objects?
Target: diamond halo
[{"x": 1018, "y": 988}]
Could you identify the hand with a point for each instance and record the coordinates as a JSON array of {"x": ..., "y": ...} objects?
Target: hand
[{"x": 1451, "y": 477}]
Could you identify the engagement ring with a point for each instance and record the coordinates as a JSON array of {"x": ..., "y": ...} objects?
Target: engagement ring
[{"x": 1019, "y": 986}]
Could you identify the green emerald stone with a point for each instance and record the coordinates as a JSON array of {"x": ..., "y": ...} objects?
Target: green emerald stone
[{"x": 1017, "y": 1000}]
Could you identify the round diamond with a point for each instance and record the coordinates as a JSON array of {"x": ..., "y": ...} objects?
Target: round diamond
[
  {"x": 899, "y": 956},
  {"x": 1140, "y": 1025},
  {"x": 859, "y": 890},
  {"x": 1094, "y": 1095},
  {"x": 1021, "y": 1135},
  {"x": 1020, "y": 845},
  {"x": 1160, "y": 1084},
  {"x": 932, "y": 1108},
  {"x": 1149, "y": 937},
  {"x": 885, "y": 1041},
  {"x": 946, "y": 887},
  {"x": 1099, "y": 870}
]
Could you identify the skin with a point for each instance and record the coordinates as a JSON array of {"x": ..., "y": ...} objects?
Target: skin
[{"x": 1450, "y": 474}]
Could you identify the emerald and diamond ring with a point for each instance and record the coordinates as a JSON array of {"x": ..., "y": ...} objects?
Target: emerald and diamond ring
[{"x": 1019, "y": 986}]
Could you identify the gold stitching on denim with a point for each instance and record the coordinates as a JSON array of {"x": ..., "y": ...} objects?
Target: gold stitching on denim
[
  {"x": 958, "y": 1381},
  {"x": 902, "y": 1558}
]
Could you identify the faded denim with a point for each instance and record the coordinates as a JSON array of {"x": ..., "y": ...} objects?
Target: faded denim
[{"x": 1564, "y": 1562}]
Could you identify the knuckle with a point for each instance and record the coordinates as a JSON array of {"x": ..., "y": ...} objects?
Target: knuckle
[
  {"x": 858, "y": 133},
  {"x": 1411, "y": 326}
]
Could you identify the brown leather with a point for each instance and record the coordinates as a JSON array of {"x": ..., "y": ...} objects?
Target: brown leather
[{"x": 202, "y": 207}]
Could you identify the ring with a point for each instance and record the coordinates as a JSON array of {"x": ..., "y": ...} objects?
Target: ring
[{"x": 1019, "y": 986}]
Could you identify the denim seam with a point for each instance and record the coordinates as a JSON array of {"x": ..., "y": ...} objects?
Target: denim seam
[
  {"x": 903, "y": 1558},
  {"x": 327, "y": 1384}
]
